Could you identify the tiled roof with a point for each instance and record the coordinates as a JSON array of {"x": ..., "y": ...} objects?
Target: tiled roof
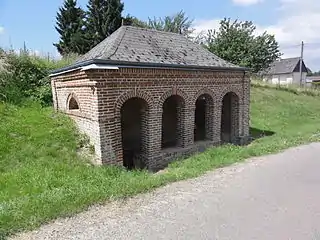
[
  {"x": 147, "y": 46},
  {"x": 287, "y": 65}
]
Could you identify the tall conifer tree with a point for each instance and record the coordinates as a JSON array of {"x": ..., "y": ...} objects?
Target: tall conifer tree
[
  {"x": 103, "y": 18},
  {"x": 70, "y": 26}
]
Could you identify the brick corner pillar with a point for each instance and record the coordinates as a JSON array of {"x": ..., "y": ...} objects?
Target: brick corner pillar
[
  {"x": 189, "y": 124},
  {"x": 111, "y": 148},
  {"x": 209, "y": 120},
  {"x": 154, "y": 125},
  {"x": 54, "y": 94},
  {"x": 217, "y": 121},
  {"x": 96, "y": 140},
  {"x": 246, "y": 107},
  {"x": 108, "y": 130}
]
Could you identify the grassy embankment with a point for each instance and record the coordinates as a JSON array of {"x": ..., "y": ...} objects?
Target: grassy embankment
[{"x": 43, "y": 178}]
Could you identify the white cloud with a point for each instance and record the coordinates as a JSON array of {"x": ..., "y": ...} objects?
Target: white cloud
[
  {"x": 204, "y": 25},
  {"x": 246, "y": 2},
  {"x": 1, "y": 29},
  {"x": 31, "y": 52},
  {"x": 35, "y": 53},
  {"x": 298, "y": 21}
]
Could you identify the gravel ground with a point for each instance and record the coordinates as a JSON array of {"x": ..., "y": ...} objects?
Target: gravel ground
[{"x": 270, "y": 197}]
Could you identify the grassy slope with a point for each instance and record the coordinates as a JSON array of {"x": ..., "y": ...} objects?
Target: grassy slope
[{"x": 42, "y": 178}]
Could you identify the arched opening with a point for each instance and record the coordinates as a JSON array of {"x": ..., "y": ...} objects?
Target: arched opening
[
  {"x": 203, "y": 129},
  {"x": 134, "y": 114},
  {"x": 73, "y": 104},
  {"x": 172, "y": 122},
  {"x": 229, "y": 117}
]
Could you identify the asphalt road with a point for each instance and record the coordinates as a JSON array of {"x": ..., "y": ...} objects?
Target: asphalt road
[{"x": 272, "y": 197}]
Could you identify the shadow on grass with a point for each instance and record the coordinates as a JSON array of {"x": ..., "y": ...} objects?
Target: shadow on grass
[{"x": 256, "y": 133}]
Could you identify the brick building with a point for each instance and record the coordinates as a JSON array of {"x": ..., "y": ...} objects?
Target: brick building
[{"x": 146, "y": 97}]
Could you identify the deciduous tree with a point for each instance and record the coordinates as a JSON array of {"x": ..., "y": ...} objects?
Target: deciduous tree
[
  {"x": 133, "y": 21},
  {"x": 237, "y": 42},
  {"x": 177, "y": 23}
]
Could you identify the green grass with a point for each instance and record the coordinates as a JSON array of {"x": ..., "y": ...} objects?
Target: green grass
[
  {"x": 42, "y": 178},
  {"x": 258, "y": 83}
]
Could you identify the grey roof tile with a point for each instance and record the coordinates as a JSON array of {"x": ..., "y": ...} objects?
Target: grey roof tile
[
  {"x": 281, "y": 66},
  {"x": 132, "y": 44}
]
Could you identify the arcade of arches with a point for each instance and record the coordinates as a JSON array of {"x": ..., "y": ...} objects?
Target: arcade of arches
[
  {"x": 146, "y": 98},
  {"x": 135, "y": 131}
]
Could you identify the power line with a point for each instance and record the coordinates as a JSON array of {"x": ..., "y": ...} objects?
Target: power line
[
  {"x": 299, "y": 45},
  {"x": 290, "y": 46},
  {"x": 314, "y": 43}
]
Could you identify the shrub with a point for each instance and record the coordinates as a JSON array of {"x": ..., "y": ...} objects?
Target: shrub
[{"x": 25, "y": 76}]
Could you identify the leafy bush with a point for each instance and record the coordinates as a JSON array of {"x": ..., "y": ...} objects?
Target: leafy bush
[
  {"x": 26, "y": 76},
  {"x": 43, "y": 93}
]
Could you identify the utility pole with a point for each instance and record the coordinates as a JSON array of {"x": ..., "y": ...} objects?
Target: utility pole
[{"x": 301, "y": 61}]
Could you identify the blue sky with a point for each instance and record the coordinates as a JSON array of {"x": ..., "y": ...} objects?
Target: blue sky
[{"x": 33, "y": 21}]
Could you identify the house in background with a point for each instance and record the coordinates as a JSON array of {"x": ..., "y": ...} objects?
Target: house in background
[{"x": 285, "y": 72}]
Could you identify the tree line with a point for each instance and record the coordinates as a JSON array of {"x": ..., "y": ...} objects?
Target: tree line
[
  {"x": 235, "y": 41},
  {"x": 312, "y": 74}
]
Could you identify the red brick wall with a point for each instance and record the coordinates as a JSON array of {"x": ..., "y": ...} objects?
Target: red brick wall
[
  {"x": 77, "y": 84},
  {"x": 101, "y": 94}
]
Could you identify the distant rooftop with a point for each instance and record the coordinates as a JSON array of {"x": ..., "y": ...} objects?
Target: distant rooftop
[
  {"x": 286, "y": 65},
  {"x": 146, "y": 46}
]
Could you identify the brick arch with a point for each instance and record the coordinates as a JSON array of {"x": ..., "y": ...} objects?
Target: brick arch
[
  {"x": 172, "y": 92},
  {"x": 232, "y": 90},
  {"x": 204, "y": 115},
  {"x": 202, "y": 92},
  {"x": 131, "y": 94},
  {"x": 139, "y": 157},
  {"x": 173, "y": 136},
  {"x": 72, "y": 96}
]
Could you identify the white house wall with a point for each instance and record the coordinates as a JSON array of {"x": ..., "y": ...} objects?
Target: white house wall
[
  {"x": 296, "y": 78},
  {"x": 282, "y": 79},
  {"x": 285, "y": 79}
]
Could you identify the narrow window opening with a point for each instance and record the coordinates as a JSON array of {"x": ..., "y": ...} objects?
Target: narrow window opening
[{"x": 73, "y": 104}]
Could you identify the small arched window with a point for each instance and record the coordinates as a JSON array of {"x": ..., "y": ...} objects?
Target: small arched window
[{"x": 73, "y": 104}]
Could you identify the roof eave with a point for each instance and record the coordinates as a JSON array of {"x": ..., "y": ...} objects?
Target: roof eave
[
  {"x": 72, "y": 67},
  {"x": 275, "y": 73},
  {"x": 146, "y": 65}
]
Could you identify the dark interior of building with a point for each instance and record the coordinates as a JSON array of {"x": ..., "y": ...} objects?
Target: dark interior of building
[
  {"x": 200, "y": 120},
  {"x": 228, "y": 104},
  {"x": 133, "y": 128},
  {"x": 171, "y": 122},
  {"x": 73, "y": 104}
]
